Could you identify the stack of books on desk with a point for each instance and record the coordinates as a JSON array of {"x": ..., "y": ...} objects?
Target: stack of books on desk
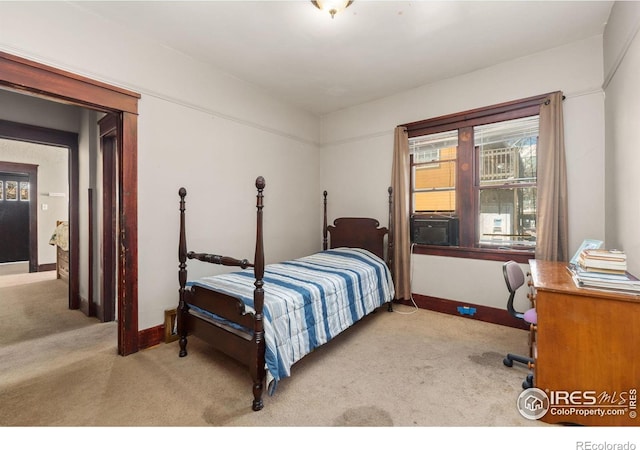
[
  {"x": 604, "y": 269},
  {"x": 604, "y": 261}
]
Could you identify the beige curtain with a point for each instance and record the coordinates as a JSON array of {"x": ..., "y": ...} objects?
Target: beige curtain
[
  {"x": 401, "y": 251},
  {"x": 552, "y": 227}
]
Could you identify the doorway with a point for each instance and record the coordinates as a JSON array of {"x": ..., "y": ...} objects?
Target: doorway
[
  {"x": 26, "y": 76},
  {"x": 49, "y": 139},
  {"x": 15, "y": 211}
]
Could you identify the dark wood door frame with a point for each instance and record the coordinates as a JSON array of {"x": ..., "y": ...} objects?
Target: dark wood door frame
[
  {"x": 31, "y": 171},
  {"x": 91, "y": 303},
  {"x": 108, "y": 144},
  {"x": 20, "y": 74}
]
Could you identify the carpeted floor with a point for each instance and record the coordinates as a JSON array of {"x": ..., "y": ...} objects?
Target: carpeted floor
[
  {"x": 36, "y": 308},
  {"x": 392, "y": 369},
  {"x": 418, "y": 375}
]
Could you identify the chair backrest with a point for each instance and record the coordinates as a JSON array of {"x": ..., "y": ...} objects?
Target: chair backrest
[{"x": 514, "y": 278}]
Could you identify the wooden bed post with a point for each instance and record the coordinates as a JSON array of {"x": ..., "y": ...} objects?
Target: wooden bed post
[
  {"x": 325, "y": 240},
  {"x": 258, "y": 370},
  {"x": 391, "y": 231},
  {"x": 182, "y": 277}
]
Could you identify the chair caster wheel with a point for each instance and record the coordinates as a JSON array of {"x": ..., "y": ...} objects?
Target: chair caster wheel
[{"x": 507, "y": 362}]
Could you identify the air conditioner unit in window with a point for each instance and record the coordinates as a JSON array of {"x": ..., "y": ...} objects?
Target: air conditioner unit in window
[{"x": 435, "y": 230}]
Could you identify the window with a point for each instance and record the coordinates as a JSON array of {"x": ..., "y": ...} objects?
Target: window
[
  {"x": 507, "y": 182},
  {"x": 15, "y": 191},
  {"x": 12, "y": 190},
  {"x": 433, "y": 171},
  {"x": 24, "y": 191},
  {"x": 479, "y": 167}
]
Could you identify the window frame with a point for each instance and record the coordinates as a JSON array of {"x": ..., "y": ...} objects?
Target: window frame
[{"x": 467, "y": 174}]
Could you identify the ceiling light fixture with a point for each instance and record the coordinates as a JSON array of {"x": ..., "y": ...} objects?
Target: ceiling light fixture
[{"x": 332, "y": 6}]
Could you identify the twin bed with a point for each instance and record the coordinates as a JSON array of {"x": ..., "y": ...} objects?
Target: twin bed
[{"x": 269, "y": 317}]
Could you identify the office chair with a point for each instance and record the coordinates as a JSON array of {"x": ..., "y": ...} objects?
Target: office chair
[{"x": 514, "y": 278}]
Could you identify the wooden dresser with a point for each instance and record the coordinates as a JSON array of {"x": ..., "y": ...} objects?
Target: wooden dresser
[{"x": 587, "y": 355}]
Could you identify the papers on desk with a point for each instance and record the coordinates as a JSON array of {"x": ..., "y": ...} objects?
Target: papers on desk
[{"x": 618, "y": 282}]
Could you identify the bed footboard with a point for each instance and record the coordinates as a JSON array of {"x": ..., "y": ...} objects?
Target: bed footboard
[{"x": 219, "y": 319}]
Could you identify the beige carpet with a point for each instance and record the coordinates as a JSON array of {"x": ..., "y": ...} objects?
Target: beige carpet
[
  {"x": 36, "y": 308},
  {"x": 420, "y": 377},
  {"x": 13, "y": 268},
  {"x": 421, "y": 369},
  {"x": 14, "y": 279}
]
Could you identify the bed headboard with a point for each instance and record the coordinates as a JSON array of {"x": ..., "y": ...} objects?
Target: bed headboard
[{"x": 361, "y": 232}]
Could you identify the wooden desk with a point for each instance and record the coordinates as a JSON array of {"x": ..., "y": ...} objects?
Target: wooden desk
[{"x": 587, "y": 350}]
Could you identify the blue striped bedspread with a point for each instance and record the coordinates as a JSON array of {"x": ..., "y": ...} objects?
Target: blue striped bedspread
[{"x": 309, "y": 300}]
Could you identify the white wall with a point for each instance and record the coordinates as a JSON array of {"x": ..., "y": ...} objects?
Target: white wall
[
  {"x": 198, "y": 128},
  {"x": 214, "y": 134},
  {"x": 622, "y": 87},
  {"x": 357, "y": 146}
]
